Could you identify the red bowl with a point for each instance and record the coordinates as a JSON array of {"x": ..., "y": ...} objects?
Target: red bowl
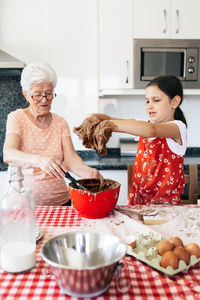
[{"x": 94, "y": 205}]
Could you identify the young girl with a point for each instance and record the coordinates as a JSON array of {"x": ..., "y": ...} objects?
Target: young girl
[{"x": 158, "y": 167}]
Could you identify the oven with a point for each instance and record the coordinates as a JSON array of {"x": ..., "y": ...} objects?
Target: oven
[{"x": 153, "y": 58}]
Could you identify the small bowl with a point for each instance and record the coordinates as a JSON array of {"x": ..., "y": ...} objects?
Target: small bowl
[
  {"x": 95, "y": 204},
  {"x": 83, "y": 263}
]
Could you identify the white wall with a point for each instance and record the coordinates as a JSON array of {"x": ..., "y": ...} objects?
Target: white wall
[
  {"x": 24, "y": 29},
  {"x": 64, "y": 33},
  {"x": 73, "y": 52}
]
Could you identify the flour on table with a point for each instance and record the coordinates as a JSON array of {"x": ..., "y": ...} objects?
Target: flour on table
[{"x": 183, "y": 221}]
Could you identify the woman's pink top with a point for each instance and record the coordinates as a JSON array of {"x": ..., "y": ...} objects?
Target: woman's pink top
[{"x": 45, "y": 142}]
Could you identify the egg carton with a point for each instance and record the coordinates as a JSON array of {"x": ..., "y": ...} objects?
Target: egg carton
[{"x": 146, "y": 251}]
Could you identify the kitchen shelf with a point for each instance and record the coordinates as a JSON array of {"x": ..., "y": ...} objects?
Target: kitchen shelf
[
  {"x": 127, "y": 92},
  {"x": 119, "y": 92}
]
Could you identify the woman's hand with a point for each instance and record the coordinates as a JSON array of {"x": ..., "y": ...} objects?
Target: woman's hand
[
  {"x": 93, "y": 173},
  {"x": 52, "y": 166},
  {"x": 74, "y": 162}
]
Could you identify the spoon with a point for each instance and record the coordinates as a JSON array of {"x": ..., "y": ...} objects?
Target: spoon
[{"x": 74, "y": 181}]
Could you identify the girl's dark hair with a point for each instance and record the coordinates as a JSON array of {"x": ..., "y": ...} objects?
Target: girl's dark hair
[{"x": 172, "y": 87}]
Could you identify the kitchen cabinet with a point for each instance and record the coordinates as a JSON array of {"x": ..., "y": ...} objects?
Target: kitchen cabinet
[
  {"x": 176, "y": 19},
  {"x": 115, "y": 44},
  {"x": 121, "y": 177}
]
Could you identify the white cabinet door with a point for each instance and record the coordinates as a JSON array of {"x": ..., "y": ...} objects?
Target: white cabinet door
[
  {"x": 121, "y": 177},
  {"x": 151, "y": 18},
  {"x": 185, "y": 20},
  {"x": 115, "y": 44},
  {"x": 166, "y": 19}
]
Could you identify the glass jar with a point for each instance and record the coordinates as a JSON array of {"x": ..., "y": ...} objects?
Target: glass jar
[{"x": 17, "y": 225}]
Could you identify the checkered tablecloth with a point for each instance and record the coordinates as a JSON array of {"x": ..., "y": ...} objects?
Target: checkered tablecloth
[{"x": 145, "y": 283}]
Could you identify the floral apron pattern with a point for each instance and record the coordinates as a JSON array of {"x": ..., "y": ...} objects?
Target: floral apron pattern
[{"x": 158, "y": 175}]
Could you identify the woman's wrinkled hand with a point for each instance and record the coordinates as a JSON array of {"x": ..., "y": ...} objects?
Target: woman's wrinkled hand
[
  {"x": 52, "y": 166},
  {"x": 93, "y": 173}
]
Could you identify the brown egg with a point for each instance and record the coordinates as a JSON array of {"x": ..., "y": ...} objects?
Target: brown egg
[
  {"x": 193, "y": 249},
  {"x": 176, "y": 241},
  {"x": 164, "y": 246},
  {"x": 169, "y": 259},
  {"x": 182, "y": 254}
]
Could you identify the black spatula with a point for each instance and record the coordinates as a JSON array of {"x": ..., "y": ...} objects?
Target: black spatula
[{"x": 76, "y": 184}]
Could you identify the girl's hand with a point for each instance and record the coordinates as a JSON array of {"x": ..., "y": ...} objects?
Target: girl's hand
[
  {"x": 52, "y": 166},
  {"x": 101, "y": 117},
  {"x": 113, "y": 126}
]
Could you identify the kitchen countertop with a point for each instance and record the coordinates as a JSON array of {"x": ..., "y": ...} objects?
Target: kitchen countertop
[{"x": 114, "y": 161}]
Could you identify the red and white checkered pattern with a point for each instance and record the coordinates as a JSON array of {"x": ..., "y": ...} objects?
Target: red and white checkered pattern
[{"x": 145, "y": 283}]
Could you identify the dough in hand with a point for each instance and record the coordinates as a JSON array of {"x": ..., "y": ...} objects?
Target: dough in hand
[{"x": 95, "y": 134}]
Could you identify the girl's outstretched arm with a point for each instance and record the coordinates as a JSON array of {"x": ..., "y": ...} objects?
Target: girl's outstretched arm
[{"x": 142, "y": 128}]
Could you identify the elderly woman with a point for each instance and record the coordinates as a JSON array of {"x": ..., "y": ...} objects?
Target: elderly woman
[{"x": 40, "y": 141}]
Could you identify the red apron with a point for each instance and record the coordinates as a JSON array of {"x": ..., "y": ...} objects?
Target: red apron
[{"x": 158, "y": 175}]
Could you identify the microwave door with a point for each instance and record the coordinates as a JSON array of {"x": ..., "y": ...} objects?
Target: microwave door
[{"x": 162, "y": 61}]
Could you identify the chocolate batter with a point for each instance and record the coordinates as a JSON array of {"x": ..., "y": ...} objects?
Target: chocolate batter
[
  {"x": 98, "y": 185},
  {"x": 94, "y": 134}
]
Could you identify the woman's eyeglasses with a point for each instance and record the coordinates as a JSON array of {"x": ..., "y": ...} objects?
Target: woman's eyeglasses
[{"x": 39, "y": 97}]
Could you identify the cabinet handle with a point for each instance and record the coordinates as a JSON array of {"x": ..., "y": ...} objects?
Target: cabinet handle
[
  {"x": 165, "y": 20},
  {"x": 177, "y": 18},
  {"x": 127, "y": 69}
]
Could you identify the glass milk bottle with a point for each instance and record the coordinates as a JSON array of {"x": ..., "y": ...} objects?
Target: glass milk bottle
[{"x": 17, "y": 226}]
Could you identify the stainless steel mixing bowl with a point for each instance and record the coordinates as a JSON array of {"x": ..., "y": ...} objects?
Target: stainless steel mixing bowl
[{"x": 83, "y": 263}]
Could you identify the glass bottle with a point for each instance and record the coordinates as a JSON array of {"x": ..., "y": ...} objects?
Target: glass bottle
[{"x": 17, "y": 225}]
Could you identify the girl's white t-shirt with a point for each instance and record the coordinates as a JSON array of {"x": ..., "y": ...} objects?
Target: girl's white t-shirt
[{"x": 174, "y": 146}]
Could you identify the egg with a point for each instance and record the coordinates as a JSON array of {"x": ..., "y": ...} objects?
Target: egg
[
  {"x": 182, "y": 254},
  {"x": 193, "y": 249},
  {"x": 169, "y": 259},
  {"x": 176, "y": 241},
  {"x": 130, "y": 240},
  {"x": 164, "y": 246}
]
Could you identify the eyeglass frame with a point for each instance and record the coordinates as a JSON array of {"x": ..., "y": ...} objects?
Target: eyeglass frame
[{"x": 44, "y": 95}]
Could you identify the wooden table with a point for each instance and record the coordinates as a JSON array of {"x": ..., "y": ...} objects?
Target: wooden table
[{"x": 146, "y": 283}]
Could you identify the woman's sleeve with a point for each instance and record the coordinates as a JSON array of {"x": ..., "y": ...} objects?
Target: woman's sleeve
[
  {"x": 65, "y": 129},
  {"x": 13, "y": 124}
]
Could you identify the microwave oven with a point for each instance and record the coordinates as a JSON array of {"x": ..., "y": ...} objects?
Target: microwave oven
[{"x": 153, "y": 58}]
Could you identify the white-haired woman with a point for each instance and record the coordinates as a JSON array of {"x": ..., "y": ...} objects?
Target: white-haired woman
[{"x": 39, "y": 141}]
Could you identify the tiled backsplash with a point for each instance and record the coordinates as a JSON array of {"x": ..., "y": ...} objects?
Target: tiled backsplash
[{"x": 11, "y": 98}]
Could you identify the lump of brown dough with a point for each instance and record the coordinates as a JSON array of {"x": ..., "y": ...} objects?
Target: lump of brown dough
[
  {"x": 86, "y": 131},
  {"x": 102, "y": 134},
  {"x": 94, "y": 134}
]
